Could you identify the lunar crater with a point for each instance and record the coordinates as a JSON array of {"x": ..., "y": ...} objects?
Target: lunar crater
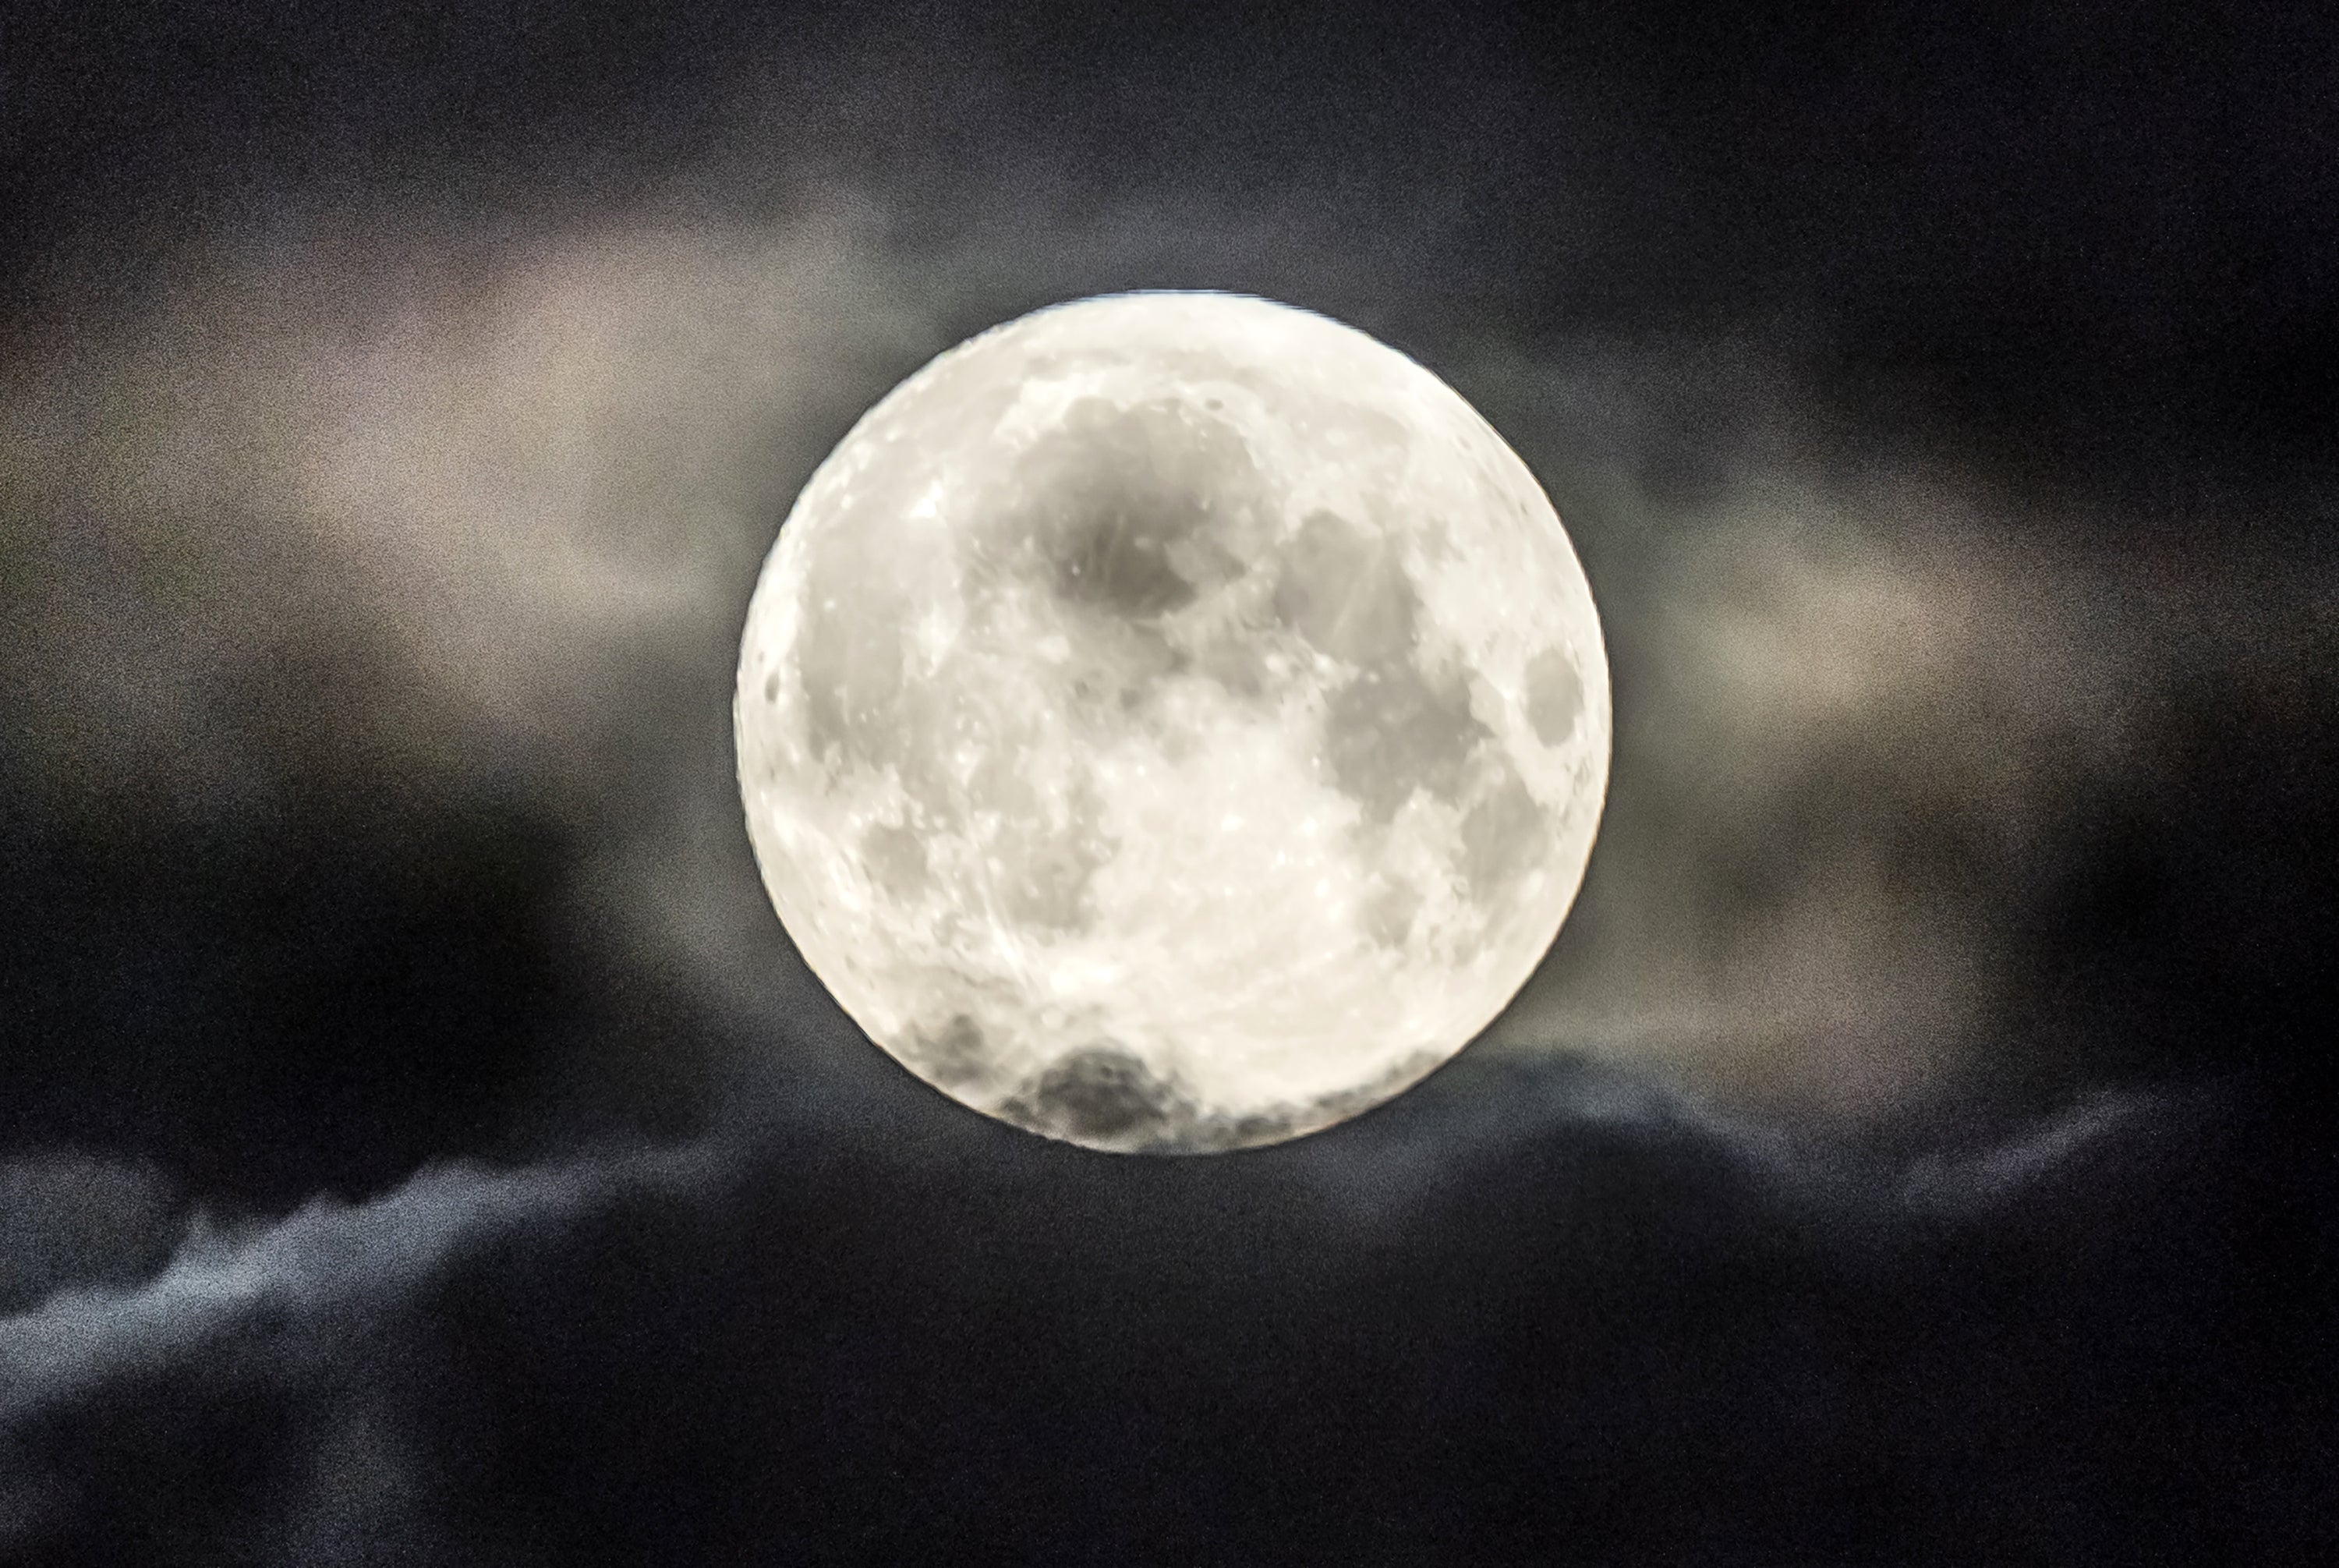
[{"x": 1103, "y": 1094}]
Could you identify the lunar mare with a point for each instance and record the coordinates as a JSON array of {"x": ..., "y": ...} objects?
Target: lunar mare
[{"x": 1172, "y": 722}]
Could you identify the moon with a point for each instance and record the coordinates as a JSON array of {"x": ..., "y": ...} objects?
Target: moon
[{"x": 1172, "y": 722}]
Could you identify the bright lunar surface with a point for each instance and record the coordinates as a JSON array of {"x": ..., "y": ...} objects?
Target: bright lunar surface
[{"x": 1172, "y": 722}]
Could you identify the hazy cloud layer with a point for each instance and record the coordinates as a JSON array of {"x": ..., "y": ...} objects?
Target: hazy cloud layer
[
  {"x": 428, "y": 511},
  {"x": 1871, "y": 714}
]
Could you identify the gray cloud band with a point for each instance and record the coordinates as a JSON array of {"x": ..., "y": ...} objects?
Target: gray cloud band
[
  {"x": 329, "y": 1268},
  {"x": 328, "y": 1264}
]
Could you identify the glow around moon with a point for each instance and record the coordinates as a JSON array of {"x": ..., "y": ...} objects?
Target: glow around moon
[{"x": 1172, "y": 722}]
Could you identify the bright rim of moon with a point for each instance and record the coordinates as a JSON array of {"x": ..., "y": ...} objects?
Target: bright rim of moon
[{"x": 1172, "y": 722}]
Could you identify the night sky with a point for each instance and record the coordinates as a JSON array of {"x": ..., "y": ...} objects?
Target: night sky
[{"x": 419, "y": 1143}]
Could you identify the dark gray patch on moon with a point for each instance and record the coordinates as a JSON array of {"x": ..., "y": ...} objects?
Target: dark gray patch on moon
[
  {"x": 1103, "y": 1094},
  {"x": 1391, "y": 728},
  {"x": 1501, "y": 837},
  {"x": 1125, "y": 502},
  {"x": 1116, "y": 666},
  {"x": 1237, "y": 663},
  {"x": 1246, "y": 1131},
  {"x": 1115, "y": 559},
  {"x": 1105, "y": 1097},
  {"x": 1554, "y": 696},
  {"x": 844, "y": 673},
  {"x": 1050, "y": 883},
  {"x": 896, "y": 858},
  {"x": 1274, "y": 1123},
  {"x": 956, "y": 1058},
  {"x": 1389, "y": 732},
  {"x": 1344, "y": 590},
  {"x": 1389, "y": 913}
]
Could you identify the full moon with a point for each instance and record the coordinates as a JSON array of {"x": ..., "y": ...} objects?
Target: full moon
[{"x": 1172, "y": 722}]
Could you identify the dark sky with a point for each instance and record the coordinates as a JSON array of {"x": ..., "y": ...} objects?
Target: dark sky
[{"x": 419, "y": 1144}]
